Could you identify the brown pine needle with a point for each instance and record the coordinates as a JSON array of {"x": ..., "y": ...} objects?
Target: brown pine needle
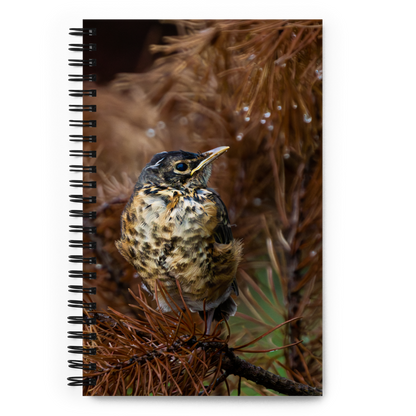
[
  {"x": 304, "y": 365},
  {"x": 256, "y": 287},
  {"x": 188, "y": 312},
  {"x": 268, "y": 332},
  {"x": 251, "y": 319},
  {"x": 269, "y": 350}
]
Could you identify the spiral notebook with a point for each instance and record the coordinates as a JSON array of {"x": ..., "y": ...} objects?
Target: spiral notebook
[{"x": 196, "y": 172}]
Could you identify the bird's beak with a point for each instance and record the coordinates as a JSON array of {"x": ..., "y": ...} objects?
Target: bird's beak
[{"x": 211, "y": 155}]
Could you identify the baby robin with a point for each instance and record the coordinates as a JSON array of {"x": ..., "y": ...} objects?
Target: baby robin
[{"x": 175, "y": 228}]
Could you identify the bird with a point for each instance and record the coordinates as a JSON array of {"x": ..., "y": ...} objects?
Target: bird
[{"x": 176, "y": 229}]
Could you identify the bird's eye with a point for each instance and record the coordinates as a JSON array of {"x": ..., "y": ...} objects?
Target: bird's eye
[{"x": 182, "y": 167}]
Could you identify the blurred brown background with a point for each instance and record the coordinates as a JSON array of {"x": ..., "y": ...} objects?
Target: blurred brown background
[{"x": 123, "y": 46}]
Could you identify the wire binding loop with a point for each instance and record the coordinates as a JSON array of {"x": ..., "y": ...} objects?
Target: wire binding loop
[
  {"x": 82, "y": 381},
  {"x": 81, "y": 47},
  {"x": 83, "y": 139},
  {"x": 79, "y": 228},
  {"x": 82, "y": 93},
  {"x": 83, "y": 78},
  {"x": 78, "y": 365},
  {"x": 79, "y": 199},
  {"x": 82, "y": 320},
  {"x": 82, "y": 184},
  {"x": 84, "y": 169},
  {"x": 83, "y": 153},
  {"x": 81, "y": 214},
  {"x": 81, "y": 244},
  {"x": 79, "y": 304},
  {"x": 74, "y": 258},
  {"x": 82, "y": 62},
  {"x": 83, "y": 123},
  {"x": 79, "y": 274},
  {"x": 76, "y": 288},
  {"x": 83, "y": 108},
  {"x": 82, "y": 335},
  {"x": 85, "y": 31},
  {"x": 76, "y": 349}
]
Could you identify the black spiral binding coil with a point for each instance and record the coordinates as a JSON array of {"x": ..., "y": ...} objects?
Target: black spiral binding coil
[{"x": 83, "y": 320}]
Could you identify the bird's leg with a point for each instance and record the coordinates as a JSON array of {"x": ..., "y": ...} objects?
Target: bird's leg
[{"x": 210, "y": 316}]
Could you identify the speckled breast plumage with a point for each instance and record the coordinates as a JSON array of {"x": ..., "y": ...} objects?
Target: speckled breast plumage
[{"x": 170, "y": 234}]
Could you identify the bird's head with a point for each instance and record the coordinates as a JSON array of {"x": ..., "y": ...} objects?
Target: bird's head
[{"x": 178, "y": 168}]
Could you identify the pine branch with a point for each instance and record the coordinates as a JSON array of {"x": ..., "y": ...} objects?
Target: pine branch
[
  {"x": 230, "y": 363},
  {"x": 235, "y": 365}
]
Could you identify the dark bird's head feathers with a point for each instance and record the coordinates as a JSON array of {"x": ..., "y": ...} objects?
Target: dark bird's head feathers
[{"x": 179, "y": 168}]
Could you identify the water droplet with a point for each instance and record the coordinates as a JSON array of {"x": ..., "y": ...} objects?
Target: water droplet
[
  {"x": 286, "y": 156},
  {"x": 270, "y": 128},
  {"x": 150, "y": 133},
  {"x": 251, "y": 57},
  {"x": 98, "y": 266},
  {"x": 307, "y": 118},
  {"x": 257, "y": 202},
  {"x": 295, "y": 106},
  {"x": 318, "y": 73},
  {"x": 293, "y": 35},
  {"x": 135, "y": 275},
  {"x": 279, "y": 107},
  {"x": 239, "y": 137},
  {"x": 247, "y": 119},
  {"x": 183, "y": 121},
  {"x": 281, "y": 61},
  {"x": 312, "y": 253},
  {"x": 267, "y": 115},
  {"x": 161, "y": 125},
  {"x": 263, "y": 121},
  {"x": 245, "y": 108}
]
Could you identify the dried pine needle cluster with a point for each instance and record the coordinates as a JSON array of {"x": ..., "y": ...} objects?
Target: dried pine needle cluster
[
  {"x": 255, "y": 86},
  {"x": 160, "y": 354},
  {"x": 153, "y": 354}
]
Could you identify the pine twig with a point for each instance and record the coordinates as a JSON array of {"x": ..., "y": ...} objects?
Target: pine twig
[
  {"x": 238, "y": 367},
  {"x": 231, "y": 364}
]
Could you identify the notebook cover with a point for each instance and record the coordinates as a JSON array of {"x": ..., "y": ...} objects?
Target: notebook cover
[{"x": 208, "y": 207}]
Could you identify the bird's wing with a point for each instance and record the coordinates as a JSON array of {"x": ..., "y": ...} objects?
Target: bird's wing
[{"x": 222, "y": 232}]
